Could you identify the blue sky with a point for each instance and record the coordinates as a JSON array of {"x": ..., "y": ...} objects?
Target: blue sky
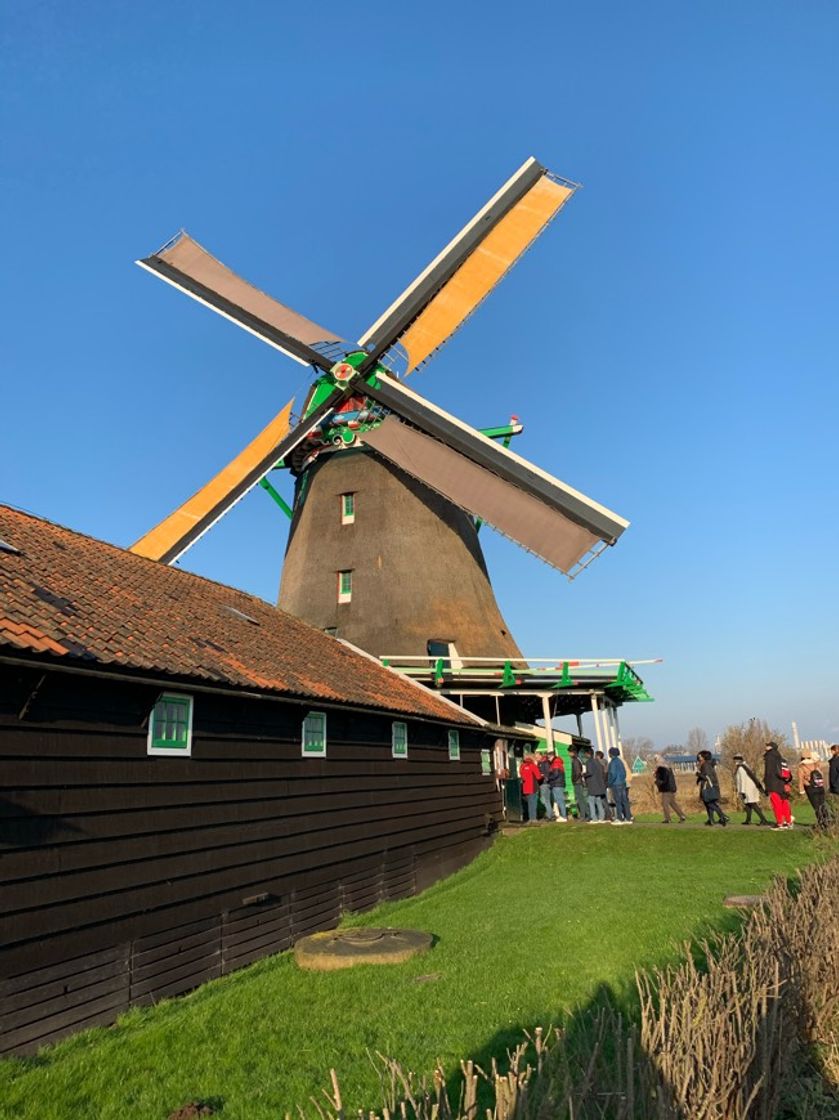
[{"x": 671, "y": 342}]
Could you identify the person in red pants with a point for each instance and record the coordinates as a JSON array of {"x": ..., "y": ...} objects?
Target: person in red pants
[{"x": 777, "y": 779}]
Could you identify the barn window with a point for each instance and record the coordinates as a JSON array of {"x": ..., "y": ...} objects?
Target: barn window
[
  {"x": 344, "y": 587},
  {"x": 314, "y": 734},
  {"x": 399, "y": 740},
  {"x": 170, "y": 725},
  {"x": 347, "y": 509},
  {"x": 486, "y": 762},
  {"x": 454, "y": 746}
]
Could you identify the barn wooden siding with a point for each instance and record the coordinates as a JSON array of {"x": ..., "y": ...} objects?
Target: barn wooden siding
[{"x": 128, "y": 878}]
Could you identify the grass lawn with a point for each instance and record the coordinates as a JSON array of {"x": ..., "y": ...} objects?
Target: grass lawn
[{"x": 535, "y": 927}]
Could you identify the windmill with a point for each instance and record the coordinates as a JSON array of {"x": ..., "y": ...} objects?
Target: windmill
[{"x": 390, "y": 489}]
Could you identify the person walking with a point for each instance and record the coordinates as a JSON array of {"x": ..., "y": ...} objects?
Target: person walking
[
  {"x": 530, "y": 781},
  {"x": 595, "y": 779},
  {"x": 552, "y": 769},
  {"x": 616, "y": 781},
  {"x": 748, "y": 789},
  {"x": 833, "y": 770},
  {"x": 777, "y": 780},
  {"x": 580, "y": 796},
  {"x": 665, "y": 783},
  {"x": 709, "y": 788},
  {"x": 811, "y": 782}
]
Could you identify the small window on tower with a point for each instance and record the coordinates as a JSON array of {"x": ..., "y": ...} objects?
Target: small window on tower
[
  {"x": 344, "y": 587},
  {"x": 347, "y": 509}
]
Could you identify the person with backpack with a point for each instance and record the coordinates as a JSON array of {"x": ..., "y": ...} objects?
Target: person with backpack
[
  {"x": 709, "y": 788},
  {"x": 665, "y": 782},
  {"x": 748, "y": 789},
  {"x": 811, "y": 782},
  {"x": 530, "y": 782},
  {"x": 777, "y": 779}
]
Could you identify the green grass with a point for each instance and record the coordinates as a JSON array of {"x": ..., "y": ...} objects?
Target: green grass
[{"x": 534, "y": 928}]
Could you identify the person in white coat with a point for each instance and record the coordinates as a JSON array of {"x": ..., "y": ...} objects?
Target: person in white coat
[{"x": 749, "y": 790}]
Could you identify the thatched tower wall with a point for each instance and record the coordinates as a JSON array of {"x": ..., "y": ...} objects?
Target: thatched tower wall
[{"x": 418, "y": 573}]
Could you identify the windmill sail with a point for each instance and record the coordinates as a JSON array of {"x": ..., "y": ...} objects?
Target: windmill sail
[
  {"x": 181, "y": 529},
  {"x": 432, "y": 308},
  {"x": 188, "y": 266},
  {"x": 518, "y": 499}
]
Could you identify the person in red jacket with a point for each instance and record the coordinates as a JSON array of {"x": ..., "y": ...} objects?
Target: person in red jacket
[{"x": 530, "y": 779}]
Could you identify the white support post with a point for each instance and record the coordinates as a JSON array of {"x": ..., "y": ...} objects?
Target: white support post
[
  {"x": 595, "y": 712},
  {"x": 617, "y": 732},
  {"x": 546, "y": 715}
]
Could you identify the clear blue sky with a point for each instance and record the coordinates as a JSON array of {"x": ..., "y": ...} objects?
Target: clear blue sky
[{"x": 671, "y": 343}]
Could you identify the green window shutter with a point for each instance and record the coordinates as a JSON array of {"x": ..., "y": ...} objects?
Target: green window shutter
[
  {"x": 170, "y": 725},
  {"x": 344, "y": 587},
  {"x": 314, "y": 735},
  {"x": 454, "y": 746},
  {"x": 347, "y": 508},
  {"x": 400, "y": 740},
  {"x": 486, "y": 762}
]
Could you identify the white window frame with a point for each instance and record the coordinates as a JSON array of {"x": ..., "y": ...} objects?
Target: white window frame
[
  {"x": 394, "y": 733},
  {"x": 454, "y": 745},
  {"x": 348, "y": 518},
  {"x": 321, "y": 752},
  {"x": 486, "y": 763},
  {"x": 345, "y": 596},
  {"x": 175, "y": 751}
]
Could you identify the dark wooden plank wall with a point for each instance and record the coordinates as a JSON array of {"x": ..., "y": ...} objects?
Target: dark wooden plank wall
[{"x": 126, "y": 878}]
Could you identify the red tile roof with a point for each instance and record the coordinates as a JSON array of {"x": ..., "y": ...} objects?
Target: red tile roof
[{"x": 69, "y": 596}]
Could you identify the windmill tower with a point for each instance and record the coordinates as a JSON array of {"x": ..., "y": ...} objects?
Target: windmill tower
[{"x": 390, "y": 490}]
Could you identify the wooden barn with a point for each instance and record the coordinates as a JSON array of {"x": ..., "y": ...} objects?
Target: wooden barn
[{"x": 192, "y": 779}]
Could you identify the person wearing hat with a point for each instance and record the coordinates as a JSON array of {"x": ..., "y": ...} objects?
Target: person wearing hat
[
  {"x": 777, "y": 779},
  {"x": 811, "y": 782},
  {"x": 748, "y": 789},
  {"x": 552, "y": 788}
]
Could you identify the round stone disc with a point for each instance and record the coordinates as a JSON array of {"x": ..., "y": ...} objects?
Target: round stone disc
[{"x": 343, "y": 948}]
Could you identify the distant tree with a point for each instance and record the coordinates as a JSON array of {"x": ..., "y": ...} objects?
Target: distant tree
[
  {"x": 640, "y": 747},
  {"x": 697, "y": 741},
  {"x": 749, "y": 739}
]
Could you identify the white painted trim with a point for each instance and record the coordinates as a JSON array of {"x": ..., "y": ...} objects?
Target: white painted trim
[
  {"x": 312, "y": 754},
  {"x": 398, "y": 723},
  {"x": 171, "y": 752},
  {"x": 456, "y": 732}
]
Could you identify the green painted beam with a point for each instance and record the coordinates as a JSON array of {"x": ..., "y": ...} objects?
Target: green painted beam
[{"x": 278, "y": 498}]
